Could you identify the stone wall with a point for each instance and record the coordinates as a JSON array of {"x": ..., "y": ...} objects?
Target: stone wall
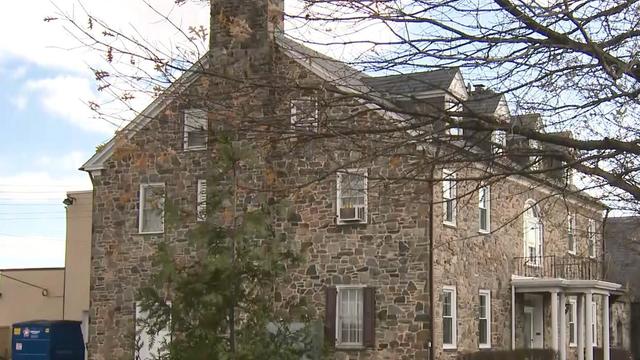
[{"x": 470, "y": 260}]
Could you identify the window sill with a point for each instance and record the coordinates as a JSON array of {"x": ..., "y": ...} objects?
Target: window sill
[
  {"x": 484, "y": 232},
  {"x": 195, "y": 148},
  {"x": 150, "y": 233},
  {"x": 573, "y": 345},
  {"x": 342, "y": 223},
  {"x": 353, "y": 347},
  {"x": 450, "y": 347},
  {"x": 449, "y": 224},
  {"x": 484, "y": 346},
  {"x": 571, "y": 252}
]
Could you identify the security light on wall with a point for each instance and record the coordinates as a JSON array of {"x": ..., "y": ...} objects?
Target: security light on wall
[{"x": 69, "y": 200}]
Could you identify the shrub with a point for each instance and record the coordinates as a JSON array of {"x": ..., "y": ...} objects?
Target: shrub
[
  {"x": 520, "y": 354},
  {"x": 615, "y": 354}
]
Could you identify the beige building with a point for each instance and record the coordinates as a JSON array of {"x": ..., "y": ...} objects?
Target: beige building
[{"x": 51, "y": 293}]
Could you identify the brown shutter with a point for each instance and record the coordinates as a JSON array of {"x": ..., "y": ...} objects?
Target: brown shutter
[
  {"x": 330, "y": 315},
  {"x": 369, "y": 317}
]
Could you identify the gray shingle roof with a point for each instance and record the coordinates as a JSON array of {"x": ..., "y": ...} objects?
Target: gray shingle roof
[
  {"x": 405, "y": 84},
  {"x": 483, "y": 102}
]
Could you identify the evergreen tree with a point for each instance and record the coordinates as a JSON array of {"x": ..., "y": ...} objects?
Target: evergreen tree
[{"x": 220, "y": 303}]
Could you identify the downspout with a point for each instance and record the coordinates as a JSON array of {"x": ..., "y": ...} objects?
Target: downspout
[
  {"x": 513, "y": 316},
  {"x": 604, "y": 248},
  {"x": 431, "y": 291}
]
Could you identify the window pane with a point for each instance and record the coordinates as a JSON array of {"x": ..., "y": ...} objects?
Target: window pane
[
  {"x": 153, "y": 208},
  {"x": 482, "y": 338},
  {"x": 447, "y": 331},
  {"x": 449, "y": 210},
  {"x": 483, "y": 306},
  {"x": 446, "y": 304},
  {"x": 483, "y": 219},
  {"x": 350, "y": 316}
]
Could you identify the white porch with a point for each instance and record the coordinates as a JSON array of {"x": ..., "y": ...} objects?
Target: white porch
[{"x": 535, "y": 293}]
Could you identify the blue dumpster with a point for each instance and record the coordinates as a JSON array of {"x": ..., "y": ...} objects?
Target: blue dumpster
[{"x": 47, "y": 340}]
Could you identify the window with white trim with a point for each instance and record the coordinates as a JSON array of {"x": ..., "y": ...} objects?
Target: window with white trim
[
  {"x": 151, "y": 212},
  {"x": 567, "y": 173},
  {"x": 571, "y": 233},
  {"x": 534, "y": 157},
  {"x": 498, "y": 141},
  {"x": 484, "y": 207},
  {"x": 449, "y": 320},
  {"x": 449, "y": 197},
  {"x": 304, "y": 114},
  {"x": 352, "y": 196},
  {"x": 195, "y": 129},
  {"x": 532, "y": 229},
  {"x": 484, "y": 319},
  {"x": 201, "y": 200},
  {"x": 591, "y": 238},
  {"x": 594, "y": 323},
  {"x": 349, "y": 324},
  {"x": 572, "y": 321},
  {"x": 453, "y": 107},
  {"x": 149, "y": 346}
]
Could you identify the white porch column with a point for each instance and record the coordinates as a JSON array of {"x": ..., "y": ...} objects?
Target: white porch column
[
  {"x": 563, "y": 327},
  {"x": 581, "y": 331},
  {"x": 588, "y": 339},
  {"x": 605, "y": 327},
  {"x": 554, "y": 320}
]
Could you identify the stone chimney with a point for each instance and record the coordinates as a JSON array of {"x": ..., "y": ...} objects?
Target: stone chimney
[{"x": 244, "y": 30}]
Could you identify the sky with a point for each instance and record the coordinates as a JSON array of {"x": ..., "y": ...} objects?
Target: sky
[{"x": 47, "y": 130}]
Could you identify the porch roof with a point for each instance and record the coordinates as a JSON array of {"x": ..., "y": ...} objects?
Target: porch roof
[{"x": 531, "y": 284}]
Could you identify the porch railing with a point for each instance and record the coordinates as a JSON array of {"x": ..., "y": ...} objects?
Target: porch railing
[{"x": 565, "y": 267}]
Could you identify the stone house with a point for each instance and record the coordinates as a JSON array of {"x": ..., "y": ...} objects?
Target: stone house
[{"x": 408, "y": 255}]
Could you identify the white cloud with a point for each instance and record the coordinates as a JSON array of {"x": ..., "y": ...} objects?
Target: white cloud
[
  {"x": 19, "y": 101},
  {"x": 30, "y": 251},
  {"x": 40, "y": 187},
  {"x": 67, "y": 97},
  {"x": 68, "y": 162},
  {"x": 50, "y": 44}
]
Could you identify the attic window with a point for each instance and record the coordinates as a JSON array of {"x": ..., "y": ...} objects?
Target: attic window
[
  {"x": 304, "y": 114},
  {"x": 195, "y": 129}
]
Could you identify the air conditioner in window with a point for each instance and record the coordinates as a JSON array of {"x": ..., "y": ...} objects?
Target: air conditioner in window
[{"x": 356, "y": 213}]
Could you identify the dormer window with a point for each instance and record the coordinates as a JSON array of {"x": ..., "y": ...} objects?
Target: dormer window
[
  {"x": 453, "y": 107},
  {"x": 195, "y": 129},
  {"x": 304, "y": 114},
  {"x": 498, "y": 141},
  {"x": 534, "y": 156}
]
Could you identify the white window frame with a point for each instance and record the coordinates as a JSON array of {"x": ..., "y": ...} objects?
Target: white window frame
[
  {"x": 454, "y": 318},
  {"x": 534, "y": 160},
  {"x": 360, "y": 309},
  {"x": 498, "y": 141},
  {"x": 573, "y": 311},
  {"x": 594, "y": 323},
  {"x": 571, "y": 233},
  {"x": 452, "y": 105},
  {"x": 449, "y": 179},
  {"x": 148, "y": 352},
  {"x": 359, "y": 172},
  {"x": 141, "y": 207},
  {"x": 592, "y": 239},
  {"x": 200, "y": 115},
  {"x": 484, "y": 205},
  {"x": 531, "y": 205},
  {"x": 487, "y": 295},
  {"x": 201, "y": 200},
  {"x": 315, "y": 123}
]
